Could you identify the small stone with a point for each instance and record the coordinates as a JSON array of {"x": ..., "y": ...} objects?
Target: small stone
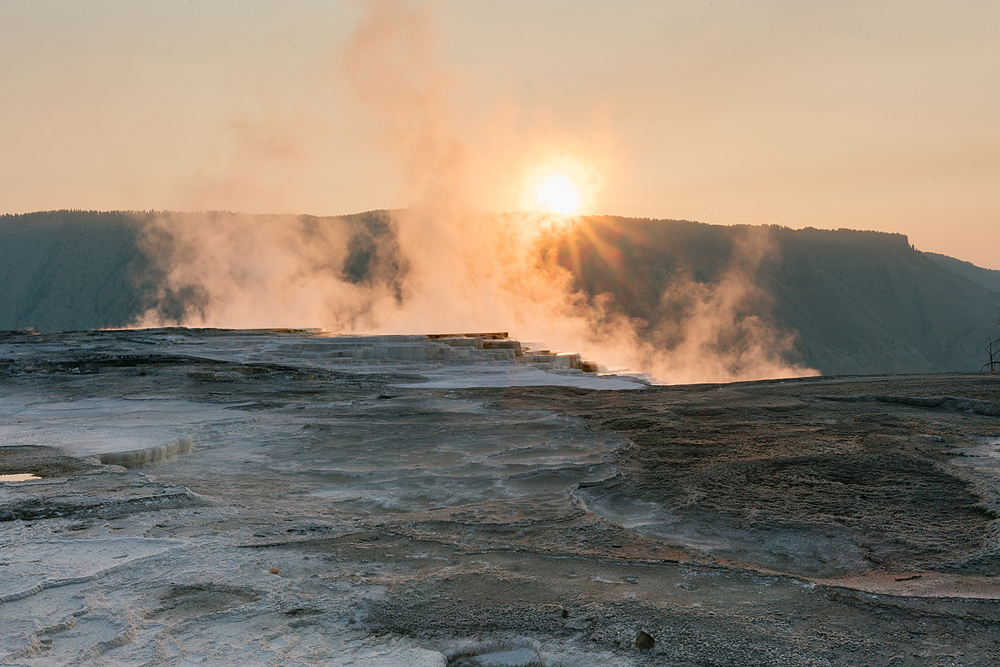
[
  {"x": 274, "y": 570},
  {"x": 644, "y": 640},
  {"x": 565, "y": 613}
]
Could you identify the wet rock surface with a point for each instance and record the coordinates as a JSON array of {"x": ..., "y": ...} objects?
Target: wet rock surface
[
  {"x": 326, "y": 516},
  {"x": 792, "y": 477}
]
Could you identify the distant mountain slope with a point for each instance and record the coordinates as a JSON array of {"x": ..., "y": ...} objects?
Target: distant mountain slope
[
  {"x": 78, "y": 270},
  {"x": 865, "y": 301},
  {"x": 857, "y": 302},
  {"x": 988, "y": 278},
  {"x": 70, "y": 270}
]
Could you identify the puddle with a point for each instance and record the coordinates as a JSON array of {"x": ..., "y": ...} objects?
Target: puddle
[{"x": 18, "y": 477}]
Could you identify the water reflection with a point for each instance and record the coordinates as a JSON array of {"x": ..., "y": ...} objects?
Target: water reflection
[{"x": 18, "y": 477}]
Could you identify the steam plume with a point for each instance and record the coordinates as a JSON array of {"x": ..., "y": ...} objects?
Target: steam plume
[{"x": 452, "y": 270}]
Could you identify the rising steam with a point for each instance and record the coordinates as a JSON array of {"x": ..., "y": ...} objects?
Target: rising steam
[{"x": 435, "y": 267}]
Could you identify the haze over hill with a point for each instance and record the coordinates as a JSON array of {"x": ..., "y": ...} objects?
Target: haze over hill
[
  {"x": 988, "y": 278},
  {"x": 756, "y": 300}
]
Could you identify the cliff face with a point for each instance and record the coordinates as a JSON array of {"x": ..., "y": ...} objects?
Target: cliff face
[{"x": 856, "y": 302}]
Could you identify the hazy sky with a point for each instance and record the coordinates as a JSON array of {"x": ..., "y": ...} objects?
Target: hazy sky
[{"x": 869, "y": 115}]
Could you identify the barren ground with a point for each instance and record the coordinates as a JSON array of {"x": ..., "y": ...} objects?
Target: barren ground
[{"x": 208, "y": 499}]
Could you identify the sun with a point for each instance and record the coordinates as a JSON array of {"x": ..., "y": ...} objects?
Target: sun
[{"x": 558, "y": 193}]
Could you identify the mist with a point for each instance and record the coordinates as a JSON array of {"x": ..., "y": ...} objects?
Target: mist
[{"x": 439, "y": 266}]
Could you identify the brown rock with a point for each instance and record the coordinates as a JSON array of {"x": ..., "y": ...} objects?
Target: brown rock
[{"x": 644, "y": 640}]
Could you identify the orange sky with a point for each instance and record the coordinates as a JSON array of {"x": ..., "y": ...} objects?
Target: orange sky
[{"x": 869, "y": 115}]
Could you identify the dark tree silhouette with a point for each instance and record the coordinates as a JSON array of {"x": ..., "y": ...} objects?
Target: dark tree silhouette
[{"x": 993, "y": 349}]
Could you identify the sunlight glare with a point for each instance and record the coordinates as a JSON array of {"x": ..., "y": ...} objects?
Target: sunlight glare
[{"x": 558, "y": 193}]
